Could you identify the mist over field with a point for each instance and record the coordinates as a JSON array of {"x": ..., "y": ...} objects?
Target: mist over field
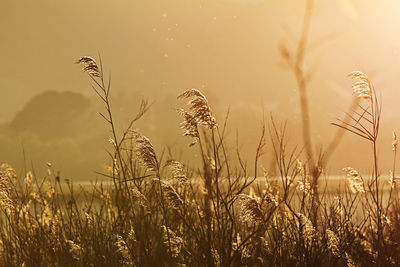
[{"x": 155, "y": 50}]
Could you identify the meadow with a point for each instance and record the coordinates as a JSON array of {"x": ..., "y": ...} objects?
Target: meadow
[
  {"x": 156, "y": 208},
  {"x": 153, "y": 210}
]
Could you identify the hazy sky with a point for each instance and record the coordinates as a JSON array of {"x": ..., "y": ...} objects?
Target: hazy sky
[{"x": 228, "y": 48}]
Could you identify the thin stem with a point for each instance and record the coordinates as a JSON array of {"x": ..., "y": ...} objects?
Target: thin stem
[{"x": 301, "y": 82}]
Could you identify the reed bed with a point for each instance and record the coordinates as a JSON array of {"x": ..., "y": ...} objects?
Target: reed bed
[{"x": 156, "y": 211}]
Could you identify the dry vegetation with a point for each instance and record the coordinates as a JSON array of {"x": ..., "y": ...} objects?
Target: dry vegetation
[{"x": 155, "y": 211}]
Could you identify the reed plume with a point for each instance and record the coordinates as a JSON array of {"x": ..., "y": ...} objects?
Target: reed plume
[
  {"x": 177, "y": 171},
  {"x": 89, "y": 66},
  {"x": 249, "y": 209},
  {"x": 361, "y": 85},
  {"x": 307, "y": 229},
  {"x": 175, "y": 242},
  {"x": 169, "y": 194},
  {"x": 199, "y": 108},
  {"x": 144, "y": 151},
  {"x": 333, "y": 242},
  {"x": 7, "y": 176},
  {"x": 140, "y": 199},
  {"x": 123, "y": 251},
  {"x": 189, "y": 126},
  {"x": 356, "y": 183}
]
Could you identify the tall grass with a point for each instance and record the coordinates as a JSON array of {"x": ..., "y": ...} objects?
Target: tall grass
[{"x": 156, "y": 211}]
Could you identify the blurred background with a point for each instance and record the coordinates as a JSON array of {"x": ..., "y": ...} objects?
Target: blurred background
[{"x": 156, "y": 49}]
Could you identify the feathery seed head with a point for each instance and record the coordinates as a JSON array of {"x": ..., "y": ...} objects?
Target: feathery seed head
[
  {"x": 132, "y": 235},
  {"x": 123, "y": 251},
  {"x": 28, "y": 178},
  {"x": 89, "y": 66},
  {"x": 175, "y": 242},
  {"x": 333, "y": 242},
  {"x": 249, "y": 209},
  {"x": 394, "y": 141},
  {"x": 361, "y": 86},
  {"x": 85, "y": 60},
  {"x": 7, "y": 175},
  {"x": 170, "y": 195},
  {"x": 393, "y": 181},
  {"x": 8, "y": 172},
  {"x": 356, "y": 183},
  {"x": 305, "y": 187},
  {"x": 145, "y": 152},
  {"x": 307, "y": 228},
  {"x": 199, "y": 108},
  {"x": 141, "y": 199},
  {"x": 189, "y": 126},
  {"x": 177, "y": 170}
]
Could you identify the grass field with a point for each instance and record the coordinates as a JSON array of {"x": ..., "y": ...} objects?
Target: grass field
[
  {"x": 154, "y": 211},
  {"x": 155, "y": 208}
]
